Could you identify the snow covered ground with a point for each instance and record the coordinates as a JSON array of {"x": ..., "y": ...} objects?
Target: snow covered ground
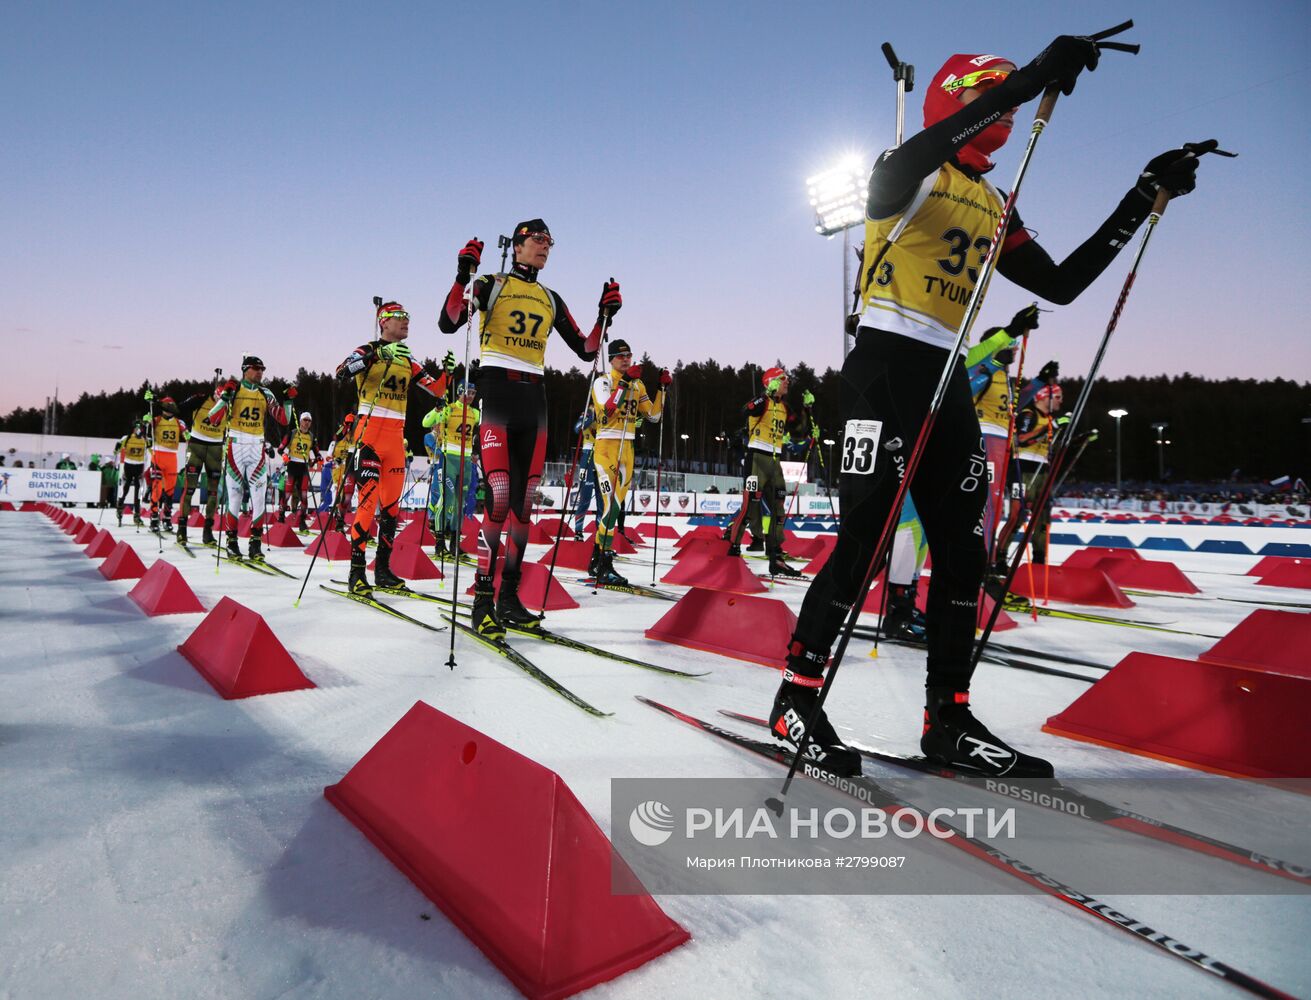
[{"x": 158, "y": 841}]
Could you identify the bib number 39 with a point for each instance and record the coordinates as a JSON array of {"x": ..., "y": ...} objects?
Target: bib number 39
[{"x": 860, "y": 442}]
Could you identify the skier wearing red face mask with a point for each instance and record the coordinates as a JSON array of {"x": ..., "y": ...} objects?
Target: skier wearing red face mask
[{"x": 930, "y": 218}]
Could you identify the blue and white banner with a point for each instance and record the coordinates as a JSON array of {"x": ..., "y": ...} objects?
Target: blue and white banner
[{"x": 50, "y": 485}]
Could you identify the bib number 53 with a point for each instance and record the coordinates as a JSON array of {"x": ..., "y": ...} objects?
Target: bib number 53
[{"x": 860, "y": 442}]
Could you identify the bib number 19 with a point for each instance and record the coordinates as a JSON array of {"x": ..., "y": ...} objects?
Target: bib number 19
[{"x": 860, "y": 442}]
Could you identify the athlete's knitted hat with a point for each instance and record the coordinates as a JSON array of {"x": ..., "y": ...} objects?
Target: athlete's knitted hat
[
  {"x": 941, "y": 100},
  {"x": 251, "y": 361},
  {"x": 305, "y": 416},
  {"x": 618, "y": 347},
  {"x": 529, "y": 228},
  {"x": 464, "y": 387}
]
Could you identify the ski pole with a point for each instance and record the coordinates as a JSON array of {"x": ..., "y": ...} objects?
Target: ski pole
[
  {"x": 904, "y": 75},
  {"x": 1158, "y": 210},
  {"x": 464, "y": 447},
  {"x": 578, "y": 451},
  {"x": 1043, "y": 115},
  {"x": 828, "y": 485},
  {"x": 660, "y": 463}
]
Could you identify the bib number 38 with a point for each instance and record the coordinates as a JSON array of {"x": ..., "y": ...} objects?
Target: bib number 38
[{"x": 860, "y": 442}]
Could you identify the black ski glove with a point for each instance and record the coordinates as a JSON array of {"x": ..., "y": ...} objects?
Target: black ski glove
[
  {"x": 1175, "y": 170},
  {"x": 1023, "y": 321},
  {"x": 1059, "y": 64}
]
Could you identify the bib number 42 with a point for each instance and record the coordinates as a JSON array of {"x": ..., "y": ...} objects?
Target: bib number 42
[{"x": 860, "y": 442}]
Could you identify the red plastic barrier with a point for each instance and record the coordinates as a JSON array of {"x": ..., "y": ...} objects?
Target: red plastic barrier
[
  {"x": 1088, "y": 558},
  {"x": 85, "y": 533},
  {"x": 6, "y": 505},
  {"x": 236, "y": 651},
  {"x": 756, "y": 629},
  {"x": 1147, "y": 574},
  {"x": 280, "y": 536},
  {"x": 618, "y": 544},
  {"x": 72, "y": 525},
  {"x": 697, "y": 533},
  {"x": 101, "y": 545},
  {"x": 1089, "y": 587},
  {"x": 410, "y": 562},
  {"x": 534, "y": 893},
  {"x": 163, "y": 591},
  {"x": 551, "y": 525},
  {"x": 330, "y": 545},
  {"x": 1278, "y": 642},
  {"x": 1287, "y": 576},
  {"x": 648, "y": 528},
  {"x": 532, "y": 586},
  {"x": 820, "y": 557},
  {"x": 28, "y": 505},
  {"x": 1268, "y": 563},
  {"x": 123, "y": 564},
  {"x": 1216, "y": 718},
  {"x": 638, "y": 542},
  {"x": 716, "y": 573},
  {"x": 417, "y": 532},
  {"x": 702, "y": 548},
  {"x": 804, "y": 548},
  {"x": 572, "y": 555},
  {"x": 537, "y": 536},
  {"x": 196, "y": 519}
]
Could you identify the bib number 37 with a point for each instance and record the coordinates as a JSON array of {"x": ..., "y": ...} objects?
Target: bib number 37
[{"x": 860, "y": 442}]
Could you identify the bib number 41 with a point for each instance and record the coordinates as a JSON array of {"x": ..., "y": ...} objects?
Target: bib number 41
[{"x": 860, "y": 442}]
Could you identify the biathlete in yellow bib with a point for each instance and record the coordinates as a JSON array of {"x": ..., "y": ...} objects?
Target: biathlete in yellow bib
[
  {"x": 132, "y": 451},
  {"x": 454, "y": 469},
  {"x": 769, "y": 421},
  {"x": 384, "y": 373},
  {"x": 620, "y": 403},
  {"x": 204, "y": 454},
  {"x": 246, "y": 405},
  {"x": 168, "y": 433},
  {"x": 519, "y": 313},
  {"x": 930, "y": 219},
  {"x": 298, "y": 452}
]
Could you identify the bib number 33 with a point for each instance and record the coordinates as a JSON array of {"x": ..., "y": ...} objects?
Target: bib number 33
[{"x": 860, "y": 443}]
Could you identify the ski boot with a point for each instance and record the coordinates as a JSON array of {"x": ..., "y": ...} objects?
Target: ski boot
[
  {"x": 256, "y": 553},
  {"x": 793, "y": 706},
  {"x": 119, "y": 513},
  {"x": 357, "y": 583},
  {"x": 578, "y": 533},
  {"x": 777, "y": 567},
  {"x": 904, "y": 622},
  {"x": 207, "y": 533},
  {"x": 594, "y": 563},
  {"x": 483, "y": 614},
  {"x": 606, "y": 575},
  {"x": 234, "y": 550},
  {"x": 757, "y": 545},
  {"x": 383, "y": 577},
  {"x": 182, "y": 533},
  {"x": 509, "y": 609},
  {"x": 735, "y": 550},
  {"x": 953, "y": 736}
]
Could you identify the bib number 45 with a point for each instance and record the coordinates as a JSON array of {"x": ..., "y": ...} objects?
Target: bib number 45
[{"x": 860, "y": 443}]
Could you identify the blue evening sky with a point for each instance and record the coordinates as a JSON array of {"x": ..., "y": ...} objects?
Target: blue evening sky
[{"x": 185, "y": 182}]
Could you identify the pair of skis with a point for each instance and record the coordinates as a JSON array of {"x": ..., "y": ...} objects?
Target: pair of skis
[
  {"x": 500, "y": 645},
  {"x": 865, "y": 791}
]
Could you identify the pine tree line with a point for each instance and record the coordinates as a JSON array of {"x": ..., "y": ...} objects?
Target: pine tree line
[{"x": 1218, "y": 429}]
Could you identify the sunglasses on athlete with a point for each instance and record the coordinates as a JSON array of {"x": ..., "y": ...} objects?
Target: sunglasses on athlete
[
  {"x": 542, "y": 238},
  {"x": 982, "y": 79},
  {"x": 393, "y": 315}
]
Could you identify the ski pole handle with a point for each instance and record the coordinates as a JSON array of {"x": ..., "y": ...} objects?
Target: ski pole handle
[{"x": 1046, "y": 106}]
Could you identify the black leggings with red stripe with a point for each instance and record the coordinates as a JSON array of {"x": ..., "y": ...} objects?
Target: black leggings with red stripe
[{"x": 512, "y": 441}]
